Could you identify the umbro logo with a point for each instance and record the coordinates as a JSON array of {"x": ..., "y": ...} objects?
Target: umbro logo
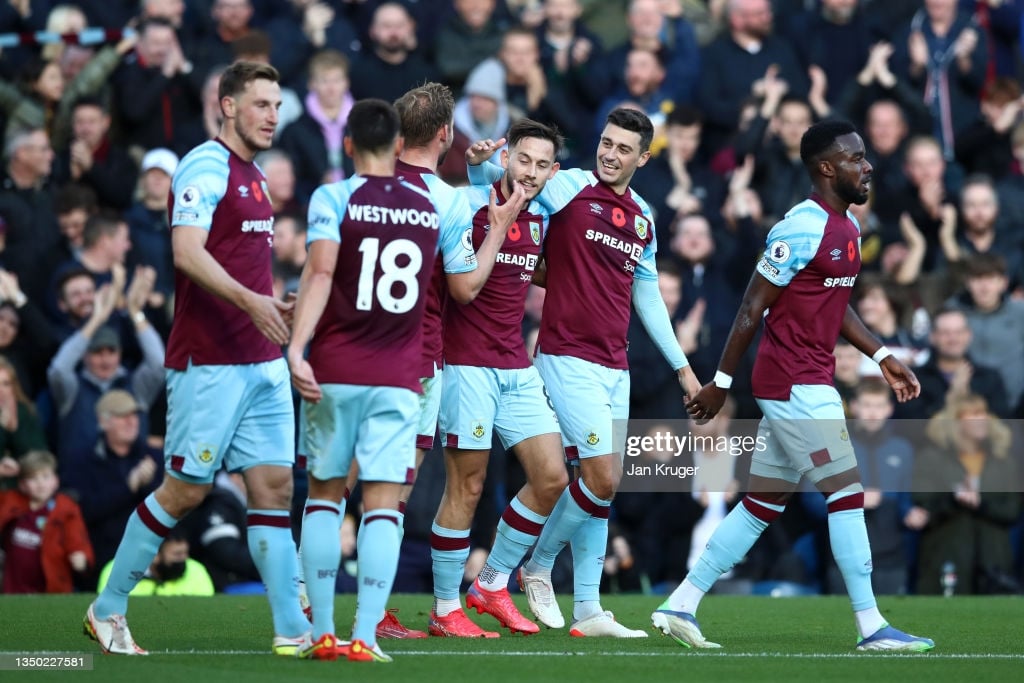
[
  {"x": 243, "y": 191},
  {"x": 836, "y": 254},
  {"x": 596, "y": 208}
]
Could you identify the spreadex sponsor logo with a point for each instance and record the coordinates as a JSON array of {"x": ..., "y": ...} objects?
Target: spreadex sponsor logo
[
  {"x": 528, "y": 261},
  {"x": 383, "y": 214},
  {"x": 263, "y": 225},
  {"x": 847, "y": 281},
  {"x": 635, "y": 251}
]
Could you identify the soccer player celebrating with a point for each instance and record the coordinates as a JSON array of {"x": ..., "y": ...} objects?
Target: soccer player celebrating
[
  {"x": 228, "y": 395},
  {"x": 491, "y": 386},
  {"x": 372, "y": 242},
  {"x": 599, "y": 256},
  {"x": 804, "y": 283},
  {"x": 427, "y": 131}
]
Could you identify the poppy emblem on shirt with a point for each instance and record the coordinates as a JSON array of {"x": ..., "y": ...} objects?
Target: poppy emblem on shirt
[
  {"x": 257, "y": 191},
  {"x": 851, "y": 250},
  {"x": 641, "y": 227},
  {"x": 535, "y": 232},
  {"x": 618, "y": 217}
]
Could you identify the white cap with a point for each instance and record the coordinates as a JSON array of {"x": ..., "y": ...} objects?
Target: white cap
[{"x": 161, "y": 158}]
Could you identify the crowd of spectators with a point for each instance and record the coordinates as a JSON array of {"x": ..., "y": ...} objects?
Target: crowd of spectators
[{"x": 93, "y": 132}]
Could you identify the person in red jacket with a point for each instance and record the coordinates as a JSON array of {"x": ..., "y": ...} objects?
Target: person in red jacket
[{"x": 42, "y": 532}]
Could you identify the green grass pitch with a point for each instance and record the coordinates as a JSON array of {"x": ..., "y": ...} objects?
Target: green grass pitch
[{"x": 227, "y": 639}]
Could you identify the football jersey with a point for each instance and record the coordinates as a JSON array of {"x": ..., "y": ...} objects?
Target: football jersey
[
  {"x": 598, "y": 242},
  {"x": 371, "y": 332},
  {"x": 814, "y": 253},
  {"x": 456, "y": 256},
  {"x": 488, "y": 331},
  {"x": 215, "y": 189}
]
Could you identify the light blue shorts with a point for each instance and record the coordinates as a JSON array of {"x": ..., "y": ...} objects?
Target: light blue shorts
[
  {"x": 430, "y": 406},
  {"x": 591, "y": 401},
  {"x": 477, "y": 401},
  {"x": 374, "y": 425},
  {"x": 238, "y": 415},
  {"x": 805, "y": 435}
]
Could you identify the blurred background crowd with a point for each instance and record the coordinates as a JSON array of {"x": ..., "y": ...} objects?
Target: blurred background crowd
[{"x": 94, "y": 123}]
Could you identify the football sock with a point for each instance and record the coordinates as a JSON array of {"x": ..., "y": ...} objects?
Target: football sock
[
  {"x": 449, "y": 550},
  {"x": 851, "y": 549},
  {"x": 147, "y": 526},
  {"x": 517, "y": 532},
  {"x": 730, "y": 542},
  {"x": 273, "y": 552},
  {"x": 589, "y": 544},
  {"x": 574, "y": 507},
  {"x": 321, "y": 556},
  {"x": 377, "y": 545}
]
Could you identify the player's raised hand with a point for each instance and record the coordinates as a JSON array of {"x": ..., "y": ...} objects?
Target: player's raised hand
[
  {"x": 482, "y": 150},
  {"x": 901, "y": 378},
  {"x": 302, "y": 377},
  {"x": 707, "y": 402},
  {"x": 267, "y": 314}
]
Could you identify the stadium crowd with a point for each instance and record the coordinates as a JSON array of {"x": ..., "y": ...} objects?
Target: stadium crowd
[{"x": 93, "y": 131}]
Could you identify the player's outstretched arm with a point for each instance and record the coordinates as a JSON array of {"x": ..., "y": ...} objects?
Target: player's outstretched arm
[
  {"x": 188, "y": 243},
  {"x": 465, "y": 286},
  {"x": 900, "y": 377},
  {"x": 314, "y": 291},
  {"x": 758, "y": 298},
  {"x": 654, "y": 317}
]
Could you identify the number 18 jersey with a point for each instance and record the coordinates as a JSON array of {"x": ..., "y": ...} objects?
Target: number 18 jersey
[{"x": 370, "y": 332}]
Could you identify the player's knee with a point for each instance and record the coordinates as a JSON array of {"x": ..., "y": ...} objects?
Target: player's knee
[
  {"x": 178, "y": 498},
  {"x": 601, "y": 484},
  {"x": 552, "y": 483}
]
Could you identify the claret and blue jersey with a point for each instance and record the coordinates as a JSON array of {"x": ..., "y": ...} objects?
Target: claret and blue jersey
[{"x": 814, "y": 253}]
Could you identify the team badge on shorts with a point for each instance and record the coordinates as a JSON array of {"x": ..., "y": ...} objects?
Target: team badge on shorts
[
  {"x": 535, "y": 232},
  {"x": 844, "y": 435},
  {"x": 478, "y": 429},
  {"x": 641, "y": 227},
  {"x": 593, "y": 439},
  {"x": 206, "y": 453}
]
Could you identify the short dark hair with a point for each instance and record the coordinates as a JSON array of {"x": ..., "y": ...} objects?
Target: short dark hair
[
  {"x": 72, "y": 274},
  {"x": 873, "y": 385},
  {"x": 528, "y": 128},
  {"x": 240, "y": 74},
  {"x": 685, "y": 115},
  {"x": 100, "y": 224},
  {"x": 982, "y": 265},
  {"x": 423, "y": 111},
  {"x": 635, "y": 121},
  {"x": 90, "y": 101},
  {"x": 75, "y": 196},
  {"x": 373, "y": 125},
  {"x": 820, "y": 138}
]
